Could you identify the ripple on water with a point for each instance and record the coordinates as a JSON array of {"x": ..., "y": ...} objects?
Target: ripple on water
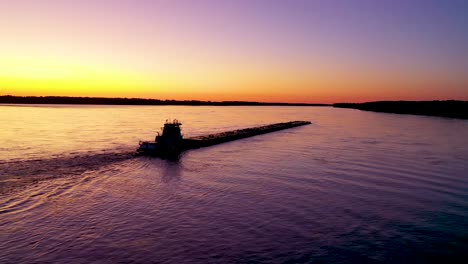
[{"x": 352, "y": 187}]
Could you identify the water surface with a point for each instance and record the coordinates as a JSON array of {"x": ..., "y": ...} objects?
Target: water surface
[{"x": 353, "y": 187}]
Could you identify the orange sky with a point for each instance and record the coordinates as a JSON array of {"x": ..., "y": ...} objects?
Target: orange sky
[{"x": 317, "y": 52}]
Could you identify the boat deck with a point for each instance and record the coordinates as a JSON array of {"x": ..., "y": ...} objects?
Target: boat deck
[
  {"x": 154, "y": 149},
  {"x": 218, "y": 138}
]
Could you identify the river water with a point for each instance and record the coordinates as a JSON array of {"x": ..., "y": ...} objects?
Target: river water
[{"x": 353, "y": 187}]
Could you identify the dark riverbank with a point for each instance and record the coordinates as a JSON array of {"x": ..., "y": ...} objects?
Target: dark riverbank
[
  {"x": 8, "y": 99},
  {"x": 451, "y": 109}
]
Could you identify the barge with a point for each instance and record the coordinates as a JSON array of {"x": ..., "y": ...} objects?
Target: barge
[{"x": 170, "y": 142}]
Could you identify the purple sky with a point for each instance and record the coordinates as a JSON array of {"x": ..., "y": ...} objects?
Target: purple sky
[{"x": 230, "y": 48}]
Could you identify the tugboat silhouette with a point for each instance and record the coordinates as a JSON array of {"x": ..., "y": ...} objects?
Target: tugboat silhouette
[
  {"x": 170, "y": 144},
  {"x": 167, "y": 145}
]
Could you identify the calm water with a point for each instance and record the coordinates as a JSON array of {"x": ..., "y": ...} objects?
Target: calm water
[{"x": 353, "y": 187}]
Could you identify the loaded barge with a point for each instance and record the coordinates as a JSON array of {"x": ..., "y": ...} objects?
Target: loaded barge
[{"x": 171, "y": 143}]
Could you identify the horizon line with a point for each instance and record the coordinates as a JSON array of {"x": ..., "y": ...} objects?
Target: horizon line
[
  {"x": 46, "y": 99},
  {"x": 142, "y": 101}
]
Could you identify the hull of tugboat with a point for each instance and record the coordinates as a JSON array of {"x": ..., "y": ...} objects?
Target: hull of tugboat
[
  {"x": 155, "y": 149},
  {"x": 147, "y": 147}
]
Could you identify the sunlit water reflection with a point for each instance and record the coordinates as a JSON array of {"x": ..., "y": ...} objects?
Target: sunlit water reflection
[{"x": 352, "y": 187}]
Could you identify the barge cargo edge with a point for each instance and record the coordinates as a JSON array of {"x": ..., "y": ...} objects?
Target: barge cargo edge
[
  {"x": 160, "y": 149},
  {"x": 214, "y": 139}
]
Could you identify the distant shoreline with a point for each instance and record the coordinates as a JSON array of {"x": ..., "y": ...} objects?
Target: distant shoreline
[
  {"x": 450, "y": 108},
  {"x": 9, "y": 99}
]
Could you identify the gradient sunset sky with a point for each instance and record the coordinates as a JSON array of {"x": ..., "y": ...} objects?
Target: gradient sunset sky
[{"x": 257, "y": 50}]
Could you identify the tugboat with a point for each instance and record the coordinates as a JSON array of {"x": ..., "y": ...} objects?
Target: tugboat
[{"x": 169, "y": 144}]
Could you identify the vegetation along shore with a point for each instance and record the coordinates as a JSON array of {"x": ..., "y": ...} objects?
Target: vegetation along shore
[{"x": 450, "y": 108}]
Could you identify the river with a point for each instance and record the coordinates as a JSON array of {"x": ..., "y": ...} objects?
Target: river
[{"x": 352, "y": 187}]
